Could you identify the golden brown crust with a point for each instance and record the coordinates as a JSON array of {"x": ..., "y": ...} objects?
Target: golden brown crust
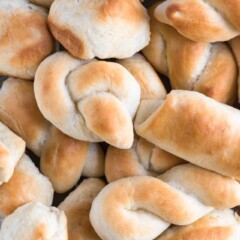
[
  {"x": 204, "y": 135},
  {"x": 24, "y": 39}
]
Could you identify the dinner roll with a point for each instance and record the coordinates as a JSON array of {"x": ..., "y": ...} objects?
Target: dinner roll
[
  {"x": 35, "y": 221},
  {"x": 24, "y": 38},
  {"x": 100, "y": 28},
  {"x": 90, "y": 101}
]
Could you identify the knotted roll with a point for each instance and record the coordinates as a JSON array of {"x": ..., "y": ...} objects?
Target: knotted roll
[
  {"x": 142, "y": 207},
  {"x": 147, "y": 78},
  {"x": 104, "y": 29},
  {"x": 12, "y": 148},
  {"x": 26, "y": 185},
  {"x": 24, "y": 38},
  {"x": 220, "y": 225},
  {"x": 91, "y": 101},
  {"x": 192, "y": 65},
  {"x": 77, "y": 207},
  {"x": 195, "y": 128},
  {"x": 35, "y": 221},
  {"x": 202, "y": 20},
  {"x": 63, "y": 159},
  {"x": 143, "y": 158}
]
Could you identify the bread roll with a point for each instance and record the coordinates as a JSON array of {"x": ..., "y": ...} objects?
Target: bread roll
[
  {"x": 217, "y": 225},
  {"x": 98, "y": 98},
  {"x": 100, "y": 28},
  {"x": 35, "y": 221},
  {"x": 77, "y": 207},
  {"x": 12, "y": 148},
  {"x": 148, "y": 79},
  {"x": 142, "y": 207},
  {"x": 26, "y": 185},
  {"x": 192, "y": 65},
  {"x": 44, "y": 3},
  {"x": 62, "y": 157},
  {"x": 195, "y": 128},
  {"x": 202, "y": 20},
  {"x": 143, "y": 158},
  {"x": 24, "y": 38}
]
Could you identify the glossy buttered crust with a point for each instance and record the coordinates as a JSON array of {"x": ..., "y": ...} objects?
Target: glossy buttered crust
[
  {"x": 24, "y": 38},
  {"x": 63, "y": 159},
  {"x": 107, "y": 29},
  {"x": 202, "y": 20},
  {"x": 91, "y": 101},
  {"x": 219, "y": 224},
  {"x": 142, "y": 207},
  {"x": 77, "y": 207},
  {"x": 195, "y": 128},
  {"x": 35, "y": 221},
  {"x": 190, "y": 65}
]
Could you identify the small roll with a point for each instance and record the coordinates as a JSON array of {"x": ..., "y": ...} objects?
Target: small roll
[
  {"x": 98, "y": 28},
  {"x": 143, "y": 158},
  {"x": 147, "y": 78},
  {"x": 195, "y": 128},
  {"x": 98, "y": 98},
  {"x": 217, "y": 225},
  {"x": 24, "y": 38},
  {"x": 63, "y": 158},
  {"x": 190, "y": 65},
  {"x": 35, "y": 221},
  {"x": 12, "y": 148},
  {"x": 77, "y": 207},
  {"x": 142, "y": 207},
  {"x": 26, "y": 185}
]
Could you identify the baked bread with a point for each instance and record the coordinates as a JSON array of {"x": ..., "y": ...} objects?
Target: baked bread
[
  {"x": 202, "y": 20},
  {"x": 44, "y": 3},
  {"x": 192, "y": 65},
  {"x": 12, "y": 148},
  {"x": 24, "y": 38},
  {"x": 35, "y": 221},
  {"x": 89, "y": 29},
  {"x": 26, "y": 185},
  {"x": 195, "y": 128},
  {"x": 63, "y": 158},
  {"x": 147, "y": 78},
  {"x": 217, "y": 225},
  {"x": 77, "y": 207},
  {"x": 98, "y": 98},
  {"x": 143, "y": 158},
  {"x": 142, "y": 207}
]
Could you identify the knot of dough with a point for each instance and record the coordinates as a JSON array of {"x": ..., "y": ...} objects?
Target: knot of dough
[
  {"x": 190, "y": 65},
  {"x": 202, "y": 20},
  {"x": 91, "y": 101},
  {"x": 100, "y": 28},
  {"x": 143, "y": 158},
  {"x": 142, "y": 207}
]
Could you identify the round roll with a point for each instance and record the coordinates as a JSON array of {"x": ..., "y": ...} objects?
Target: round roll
[
  {"x": 24, "y": 38},
  {"x": 190, "y": 65},
  {"x": 143, "y": 158},
  {"x": 63, "y": 159},
  {"x": 202, "y": 20},
  {"x": 35, "y": 221},
  {"x": 142, "y": 207},
  {"x": 98, "y": 28},
  {"x": 77, "y": 207},
  {"x": 26, "y": 185},
  {"x": 195, "y": 128},
  {"x": 219, "y": 224},
  {"x": 91, "y": 101}
]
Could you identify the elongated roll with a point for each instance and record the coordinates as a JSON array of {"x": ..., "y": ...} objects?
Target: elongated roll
[{"x": 195, "y": 128}]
